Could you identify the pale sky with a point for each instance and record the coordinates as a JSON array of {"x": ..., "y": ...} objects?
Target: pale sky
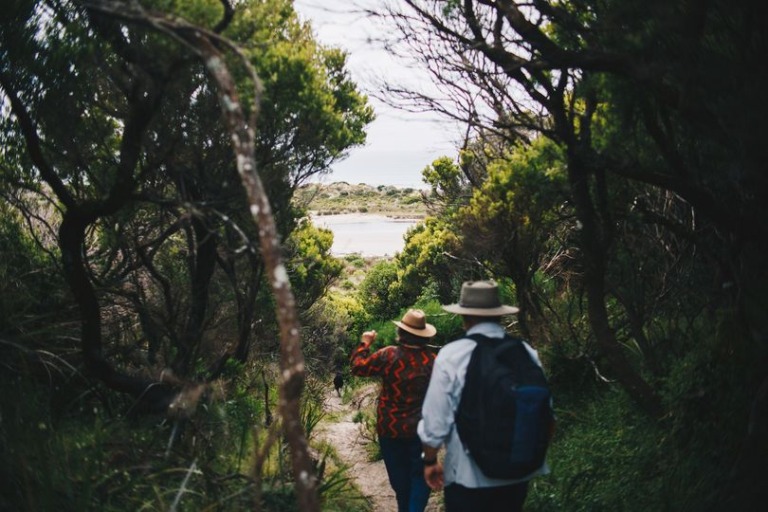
[{"x": 400, "y": 144}]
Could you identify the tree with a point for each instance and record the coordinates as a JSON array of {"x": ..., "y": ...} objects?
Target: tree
[
  {"x": 516, "y": 71},
  {"x": 517, "y": 218},
  {"x": 312, "y": 268},
  {"x": 147, "y": 175},
  {"x": 173, "y": 189},
  {"x": 655, "y": 107},
  {"x": 377, "y": 290}
]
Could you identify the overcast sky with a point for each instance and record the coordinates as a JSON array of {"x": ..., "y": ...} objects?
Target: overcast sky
[{"x": 400, "y": 144}]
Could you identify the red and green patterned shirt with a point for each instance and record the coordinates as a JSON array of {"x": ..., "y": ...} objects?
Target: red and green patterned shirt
[{"x": 404, "y": 372}]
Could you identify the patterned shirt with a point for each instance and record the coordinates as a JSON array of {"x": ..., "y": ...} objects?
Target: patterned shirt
[{"x": 404, "y": 372}]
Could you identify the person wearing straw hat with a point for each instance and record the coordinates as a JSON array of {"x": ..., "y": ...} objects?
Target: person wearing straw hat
[
  {"x": 464, "y": 485},
  {"x": 404, "y": 369}
]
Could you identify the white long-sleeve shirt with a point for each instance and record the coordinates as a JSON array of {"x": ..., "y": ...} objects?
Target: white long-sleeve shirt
[{"x": 437, "y": 426}]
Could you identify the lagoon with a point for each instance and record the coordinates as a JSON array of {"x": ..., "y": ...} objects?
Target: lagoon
[{"x": 366, "y": 234}]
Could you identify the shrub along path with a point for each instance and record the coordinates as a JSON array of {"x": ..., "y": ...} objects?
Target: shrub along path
[{"x": 340, "y": 431}]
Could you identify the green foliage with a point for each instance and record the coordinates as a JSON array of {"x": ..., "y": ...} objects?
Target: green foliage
[
  {"x": 355, "y": 260},
  {"x": 312, "y": 405},
  {"x": 331, "y": 328},
  {"x": 427, "y": 261},
  {"x": 602, "y": 458},
  {"x": 444, "y": 177},
  {"x": 171, "y": 243},
  {"x": 366, "y": 420},
  {"x": 708, "y": 385},
  {"x": 607, "y": 455},
  {"x": 30, "y": 285},
  {"x": 522, "y": 199},
  {"x": 308, "y": 94},
  {"x": 311, "y": 267},
  {"x": 86, "y": 457},
  {"x": 448, "y": 325},
  {"x": 336, "y": 487},
  {"x": 377, "y": 292}
]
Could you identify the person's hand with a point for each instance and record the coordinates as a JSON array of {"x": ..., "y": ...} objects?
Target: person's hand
[
  {"x": 434, "y": 476},
  {"x": 368, "y": 337}
]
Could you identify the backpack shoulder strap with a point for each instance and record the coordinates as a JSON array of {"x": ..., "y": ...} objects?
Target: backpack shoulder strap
[
  {"x": 500, "y": 344},
  {"x": 509, "y": 349},
  {"x": 482, "y": 337}
]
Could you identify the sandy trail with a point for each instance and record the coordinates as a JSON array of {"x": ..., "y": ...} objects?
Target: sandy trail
[{"x": 345, "y": 436}]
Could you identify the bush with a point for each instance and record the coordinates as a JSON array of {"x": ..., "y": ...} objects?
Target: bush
[
  {"x": 602, "y": 458},
  {"x": 355, "y": 260},
  {"x": 410, "y": 200},
  {"x": 377, "y": 292},
  {"x": 86, "y": 455}
]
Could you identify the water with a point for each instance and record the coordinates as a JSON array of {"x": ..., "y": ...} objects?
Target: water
[{"x": 367, "y": 235}]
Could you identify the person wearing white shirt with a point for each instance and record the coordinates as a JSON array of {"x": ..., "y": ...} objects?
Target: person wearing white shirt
[{"x": 465, "y": 486}]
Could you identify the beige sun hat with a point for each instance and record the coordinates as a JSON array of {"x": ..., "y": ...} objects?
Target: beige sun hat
[
  {"x": 415, "y": 322},
  {"x": 480, "y": 298}
]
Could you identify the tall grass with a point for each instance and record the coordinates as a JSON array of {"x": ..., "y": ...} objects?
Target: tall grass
[{"x": 66, "y": 446}]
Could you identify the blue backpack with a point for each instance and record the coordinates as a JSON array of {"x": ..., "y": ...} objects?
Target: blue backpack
[{"x": 505, "y": 418}]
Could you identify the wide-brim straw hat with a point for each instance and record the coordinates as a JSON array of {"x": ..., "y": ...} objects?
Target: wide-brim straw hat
[
  {"x": 480, "y": 298},
  {"x": 415, "y": 322}
]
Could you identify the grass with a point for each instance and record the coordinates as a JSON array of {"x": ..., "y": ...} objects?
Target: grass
[
  {"x": 337, "y": 489},
  {"x": 64, "y": 448}
]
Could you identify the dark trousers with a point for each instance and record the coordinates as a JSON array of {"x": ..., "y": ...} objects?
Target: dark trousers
[
  {"x": 402, "y": 458},
  {"x": 506, "y": 498}
]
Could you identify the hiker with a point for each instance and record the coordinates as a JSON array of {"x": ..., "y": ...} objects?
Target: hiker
[
  {"x": 464, "y": 484},
  {"x": 404, "y": 369},
  {"x": 338, "y": 383}
]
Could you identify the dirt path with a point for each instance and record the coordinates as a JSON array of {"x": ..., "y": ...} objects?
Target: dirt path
[{"x": 345, "y": 436}]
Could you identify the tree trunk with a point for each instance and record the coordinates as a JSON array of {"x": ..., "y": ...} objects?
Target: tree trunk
[
  {"x": 201, "y": 268},
  {"x": 242, "y": 134},
  {"x": 152, "y": 395},
  {"x": 594, "y": 251}
]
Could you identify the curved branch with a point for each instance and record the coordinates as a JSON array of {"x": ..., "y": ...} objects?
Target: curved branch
[
  {"x": 205, "y": 44},
  {"x": 34, "y": 146},
  {"x": 226, "y": 19}
]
